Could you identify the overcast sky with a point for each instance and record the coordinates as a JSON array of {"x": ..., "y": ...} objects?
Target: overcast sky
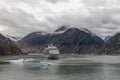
[{"x": 20, "y": 17}]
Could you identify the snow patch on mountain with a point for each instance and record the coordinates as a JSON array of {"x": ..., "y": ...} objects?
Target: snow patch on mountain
[
  {"x": 15, "y": 39},
  {"x": 88, "y": 31},
  {"x": 41, "y": 33},
  {"x": 61, "y": 30}
]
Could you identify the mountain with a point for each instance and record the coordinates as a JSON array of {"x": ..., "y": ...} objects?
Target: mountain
[
  {"x": 60, "y": 30},
  {"x": 15, "y": 39},
  {"x": 68, "y": 40},
  {"x": 63, "y": 28},
  {"x": 34, "y": 42},
  {"x": 75, "y": 40},
  {"x": 113, "y": 45},
  {"x": 106, "y": 39},
  {"x": 7, "y": 47},
  {"x": 87, "y": 31}
]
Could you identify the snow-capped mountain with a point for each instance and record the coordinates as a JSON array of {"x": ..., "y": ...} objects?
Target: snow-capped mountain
[
  {"x": 8, "y": 47},
  {"x": 68, "y": 40},
  {"x": 60, "y": 30},
  {"x": 88, "y": 31},
  {"x": 15, "y": 39},
  {"x": 65, "y": 28},
  {"x": 41, "y": 33}
]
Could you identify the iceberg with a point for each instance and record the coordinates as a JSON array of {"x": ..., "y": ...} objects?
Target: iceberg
[
  {"x": 21, "y": 60},
  {"x": 45, "y": 64},
  {"x": 16, "y": 61}
]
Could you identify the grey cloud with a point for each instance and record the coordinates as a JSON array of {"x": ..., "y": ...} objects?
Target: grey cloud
[
  {"x": 94, "y": 2},
  {"x": 95, "y": 15},
  {"x": 101, "y": 3},
  {"x": 14, "y": 3},
  {"x": 56, "y": 1},
  {"x": 20, "y": 21},
  {"x": 100, "y": 21}
]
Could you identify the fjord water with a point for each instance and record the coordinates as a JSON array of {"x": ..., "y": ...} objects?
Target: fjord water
[{"x": 80, "y": 68}]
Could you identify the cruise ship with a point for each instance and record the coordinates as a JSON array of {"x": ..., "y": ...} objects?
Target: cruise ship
[{"x": 52, "y": 51}]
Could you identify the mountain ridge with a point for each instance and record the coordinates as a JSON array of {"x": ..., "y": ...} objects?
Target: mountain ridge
[
  {"x": 8, "y": 47},
  {"x": 69, "y": 37}
]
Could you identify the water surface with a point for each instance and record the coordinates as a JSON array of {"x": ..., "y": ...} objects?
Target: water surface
[{"x": 83, "y": 68}]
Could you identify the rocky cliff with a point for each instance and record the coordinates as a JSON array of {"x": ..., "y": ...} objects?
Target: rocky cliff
[
  {"x": 113, "y": 45},
  {"x": 7, "y": 47}
]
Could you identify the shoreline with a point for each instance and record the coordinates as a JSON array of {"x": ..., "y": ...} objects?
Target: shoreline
[{"x": 42, "y": 56}]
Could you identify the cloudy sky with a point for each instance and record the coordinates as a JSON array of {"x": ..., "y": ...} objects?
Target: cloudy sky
[{"x": 20, "y": 17}]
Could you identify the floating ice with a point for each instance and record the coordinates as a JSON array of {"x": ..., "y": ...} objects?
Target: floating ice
[
  {"x": 16, "y": 61},
  {"x": 45, "y": 64},
  {"x": 21, "y": 60}
]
